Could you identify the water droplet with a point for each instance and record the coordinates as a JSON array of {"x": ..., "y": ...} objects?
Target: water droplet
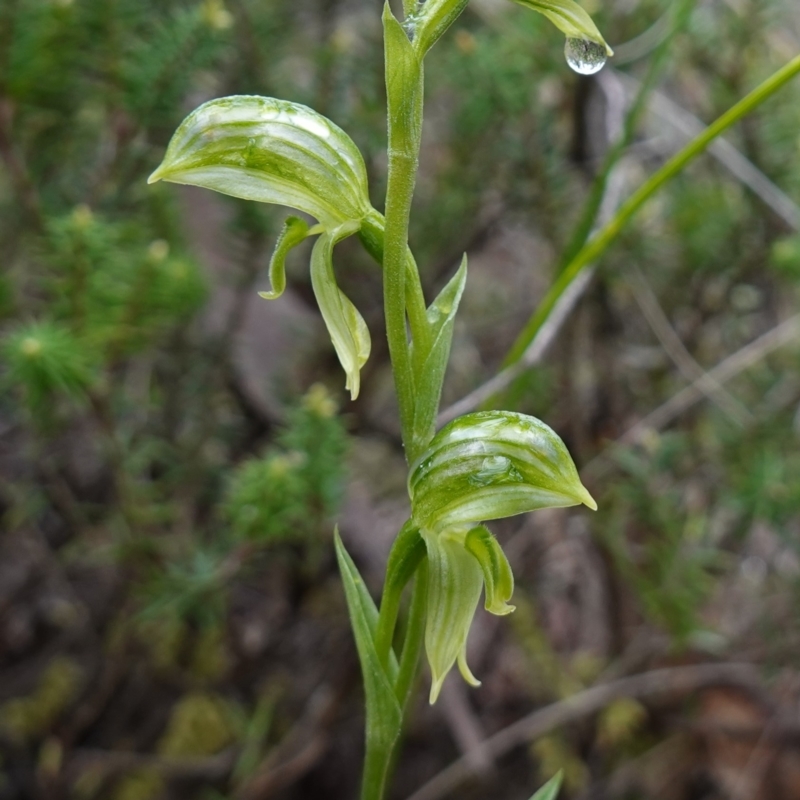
[
  {"x": 585, "y": 56},
  {"x": 495, "y": 470}
]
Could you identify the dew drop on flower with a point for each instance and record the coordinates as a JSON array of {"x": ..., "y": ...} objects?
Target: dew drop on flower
[{"x": 585, "y": 56}]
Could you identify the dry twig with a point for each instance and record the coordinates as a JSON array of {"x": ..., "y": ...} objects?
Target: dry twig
[{"x": 679, "y": 680}]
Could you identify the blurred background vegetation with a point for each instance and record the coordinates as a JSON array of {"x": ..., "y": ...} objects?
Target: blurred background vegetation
[{"x": 174, "y": 451}]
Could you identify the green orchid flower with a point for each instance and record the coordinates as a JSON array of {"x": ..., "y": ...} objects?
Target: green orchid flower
[
  {"x": 275, "y": 151},
  {"x": 482, "y": 466},
  {"x": 586, "y": 50}
]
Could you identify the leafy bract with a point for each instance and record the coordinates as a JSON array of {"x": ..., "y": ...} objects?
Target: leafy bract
[
  {"x": 383, "y": 711},
  {"x": 550, "y": 790},
  {"x": 429, "y": 369},
  {"x": 432, "y": 20}
]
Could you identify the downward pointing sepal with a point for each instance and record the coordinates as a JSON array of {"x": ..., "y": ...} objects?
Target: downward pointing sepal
[
  {"x": 346, "y": 326},
  {"x": 454, "y": 588}
]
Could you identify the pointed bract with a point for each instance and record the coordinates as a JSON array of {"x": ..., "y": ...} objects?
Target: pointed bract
[
  {"x": 430, "y": 369},
  {"x": 431, "y": 21}
]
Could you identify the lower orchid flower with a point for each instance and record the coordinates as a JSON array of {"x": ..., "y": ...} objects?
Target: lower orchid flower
[{"x": 482, "y": 466}]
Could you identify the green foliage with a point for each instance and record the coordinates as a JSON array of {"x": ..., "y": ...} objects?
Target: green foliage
[
  {"x": 786, "y": 256},
  {"x": 46, "y": 361},
  {"x": 25, "y": 718},
  {"x": 118, "y": 292},
  {"x": 190, "y": 588},
  {"x": 660, "y": 543},
  {"x": 200, "y": 724},
  {"x": 290, "y": 492},
  {"x": 550, "y": 790}
]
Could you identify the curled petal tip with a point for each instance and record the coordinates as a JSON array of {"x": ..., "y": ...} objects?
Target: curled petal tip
[
  {"x": 436, "y": 687},
  {"x": 466, "y": 672},
  {"x": 587, "y": 499},
  {"x": 502, "y": 610},
  {"x": 156, "y": 176}
]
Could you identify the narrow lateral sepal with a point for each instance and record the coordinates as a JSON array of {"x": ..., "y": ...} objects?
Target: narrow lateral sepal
[
  {"x": 454, "y": 589},
  {"x": 497, "y": 576},
  {"x": 295, "y": 231}
]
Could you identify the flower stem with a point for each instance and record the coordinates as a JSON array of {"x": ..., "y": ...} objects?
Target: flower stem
[
  {"x": 378, "y": 761},
  {"x": 404, "y": 90}
]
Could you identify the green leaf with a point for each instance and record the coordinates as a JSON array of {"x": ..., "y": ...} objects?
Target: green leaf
[
  {"x": 384, "y": 716},
  {"x": 454, "y": 589},
  {"x": 295, "y": 231},
  {"x": 572, "y": 20},
  {"x": 272, "y": 151},
  {"x": 429, "y": 370},
  {"x": 403, "y": 84},
  {"x": 492, "y": 464},
  {"x": 550, "y": 790},
  {"x": 433, "y": 19},
  {"x": 346, "y": 326},
  {"x": 497, "y": 575}
]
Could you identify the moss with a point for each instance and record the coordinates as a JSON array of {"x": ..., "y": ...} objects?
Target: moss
[
  {"x": 27, "y": 718},
  {"x": 145, "y": 784},
  {"x": 201, "y": 724},
  {"x": 210, "y": 658}
]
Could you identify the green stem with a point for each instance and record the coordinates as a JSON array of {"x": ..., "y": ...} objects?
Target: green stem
[
  {"x": 406, "y": 554},
  {"x": 404, "y": 90},
  {"x": 680, "y": 15},
  {"x": 378, "y": 761},
  {"x": 591, "y": 251},
  {"x": 376, "y": 773},
  {"x": 409, "y": 661},
  {"x": 372, "y": 237},
  {"x": 414, "y": 638}
]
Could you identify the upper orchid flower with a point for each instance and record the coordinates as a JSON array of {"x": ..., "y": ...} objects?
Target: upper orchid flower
[{"x": 275, "y": 151}]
